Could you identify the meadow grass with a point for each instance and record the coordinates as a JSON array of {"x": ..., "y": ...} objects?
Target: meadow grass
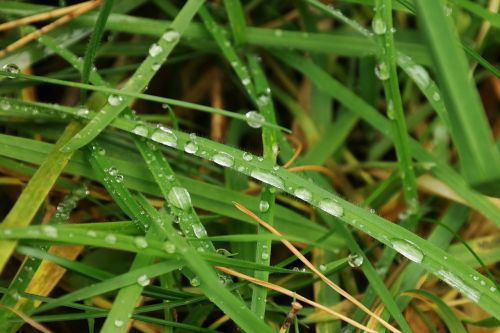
[{"x": 195, "y": 166}]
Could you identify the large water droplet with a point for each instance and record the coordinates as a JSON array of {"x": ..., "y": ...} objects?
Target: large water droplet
[
  {"x": 303, "y": 194},
  {"x": 191, "y": 147},
  {"x": 115, "y": 100},
  {"x": 355, "y": 260},
  {"x": 165, "y": 137},
  {"x": 171, "y": 36},
  {"x": 155, "y": 50},
  {"x": 459, "y": 284},
  {"x": 420, "y": 75},
  {"x": 378, "y": 26},
  {"x": 199, "y": 231},
  {"x": 50, "y": 231},
  {"x": 179, "y": 197},
  {"x": 140, "y": 130},
  {"x": 223, "y": 159},
  {"x": 382, "y": 71},
  {"x": 331, "y": 207},
  {"x": 408, "y": 249},
  {"x": 11, "y": 69},
  {"x": 141, "y": 242},
  {"x": 143, "y": 280},
  {"x": 254, "y": 119},
  {"x": 267, "y": 178},
  {"x": 263, "y": 206},
  {"x": 169, "y": 247}
]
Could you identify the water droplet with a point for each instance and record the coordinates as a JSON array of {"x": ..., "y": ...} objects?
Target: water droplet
[
  {"x": 115, "y": 100},
  {"x": 246, "y": 81},
  {"x": 263, "y": 206},
  {"x": 493, "y": 289},
  {"x": 165, "y": 137},
  {"x": 141, "y": 242},
  {"x": 49, "y": 231},
  {"x": 278, "y": 33},
  {"x": 378, "y": 26},
  {"x": 264, "y": 255},
  {"x": 191, "y": 147},
  {"x": 11, "y": 69},
  {"x": 408, "y": 249},
  {"x": 382, "y": 71},
  {"x": 254, "y": 119},
  {"x": 268, "y": 178},
  {"x": 322, "y": 268},
  {"x": 171, "y": 36},
  {"x": 199, "y": 231},
  {"x": 263, "y": 99},
  {"x": 155, "y": 66},
  {"x": 140, "y": 130},
  {"x": 436, "y": 96},
  {"x": 420, "y": 75},
  {"x": 119, "y": 323},
  {"x": 223, "y": 159},
  {"x": 355, "y": 260},
  {"x": 459, "y": 284},
  {"x": 195, "y": 282},
  {"x": 5, "y": 105},
  {"x": 82, "y": 112},
  {"x": 143, "y": 280},
  {"x": 91, "y": 233},
  {"x": 155, "y": 50},
  {"x": 247, "y": 157},
  {"x": 303, "y": 194},
  {"x": 169, "y": 247},
  {"x": 179, "y": 197},
  {"x": 110, "y": 238},
  {"x": 331, "y": 207}
]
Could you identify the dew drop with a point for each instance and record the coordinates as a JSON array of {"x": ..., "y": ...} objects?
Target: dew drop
[
  {"x": 331, "y": 207},
  {"x": 264, "y": 255},
  {"x": 408, "y": 249},
  {"x": 5, "y": 105},
  {"x": 459, "y": 284},
  {"x": 82, "y": 112},
  {"x": 115, "y": 100},
  {"x": 420, "y": 75},
  {"x": 278, "y": 33},
  {"x": 191, "y": 147},
  {"x": 303, "y": 194},
  {"x": 140, "y": 130},
  {"x": 378, "y": 26},
  {"x": 179, "y": 197},
  {"x": 119, "y": 323},
  {"x": 143, "y": 280},
  {"x": 195, "y": 282},
  {"x": 155, "y": 50},
  {"x": 50, "y": 231},
  {"x": 171, "y": 36},
  {"x": 355, "y": 260},
  {"x": 382, "y": 71},
  {"x": 223, "y": 159},
  {"x": 199, "y": 231},
  {"x": 155, "y": 67},
  {"x": 91, "y": 233},
  {"x": 11, "y": 69},
  {"x": 165, "y": 137},
  {"x": 263, "y": 206},
  {"x": 254, "y": 119},
  {"x": 322, "y": 268},
  {"x": 436, "y": 96},
  {"x": 110, "y": 239},
  {"x": 267, "y": 178},
  {"x": 141, "y": 242},
  {"x": 247, "y": 157},
  {"x": 169, "y": 247},
  {"x": 246, "y": 81}
]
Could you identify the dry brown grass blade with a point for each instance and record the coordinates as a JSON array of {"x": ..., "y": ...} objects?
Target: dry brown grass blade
[
  {"x": 293, "y": 294},
  {"x": 33, "y": 323},
  {"x": 49, "y": 27},
  {"x": 296, "y": 153},
  {"x": 42, "y": 16},
  {"x": 296, "y": 306},
  {"x": 306, "y": 262}
]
